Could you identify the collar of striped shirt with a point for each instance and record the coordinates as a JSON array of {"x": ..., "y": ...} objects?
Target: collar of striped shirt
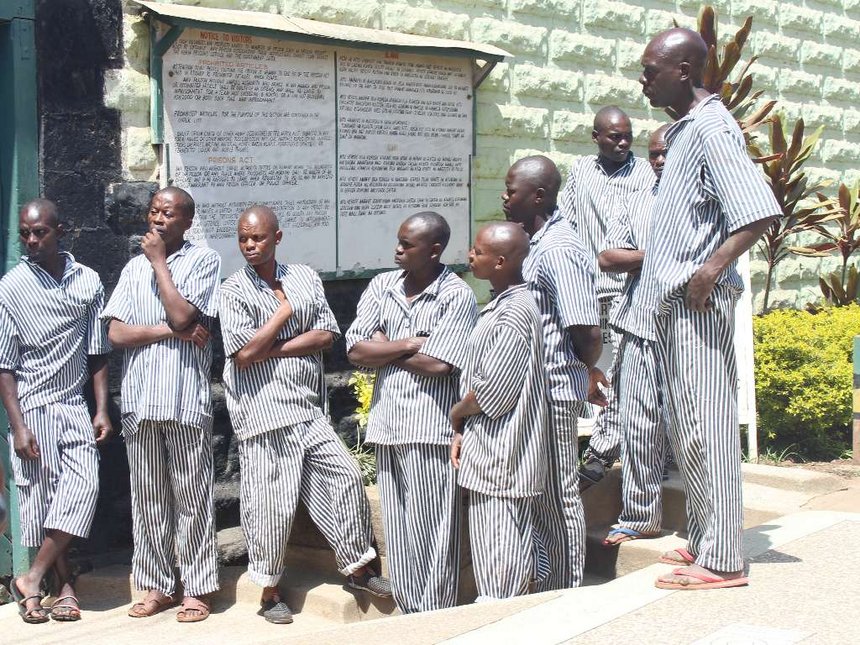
[
  {"x": 554, "y": 219},
  {"x": 182, "y": 250},
  {"x": 623, "y": 169},
  {"x": 507, "y": 293},
  {"x": 281, "y": 271},
  {"x": 673, "y": 130},
  {"x": 70, "y": 269},
  {"x": 430, "y": 291}
]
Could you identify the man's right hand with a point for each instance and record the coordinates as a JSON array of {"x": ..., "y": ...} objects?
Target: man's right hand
[
  {"x": 196, "y": 333},
  {"x": 26, "y": 446}
]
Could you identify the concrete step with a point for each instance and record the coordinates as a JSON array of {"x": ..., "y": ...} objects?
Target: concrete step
[
  {"x": 627, "y": 557},
  {"x": 792, "y": 479},
  {"x": 306, "y": 591}
]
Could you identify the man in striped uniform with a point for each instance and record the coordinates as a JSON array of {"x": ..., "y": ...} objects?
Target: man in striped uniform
[
  {"x": 713, "y": 205},
  {"x": 159, "y": 314},
  {"x": 51, "y": 341},
  {"x": 411, "y": 327},
  {"x": 276, "y": 322},
  {"x": 500, "y": 430},
  {"x": 598, "y": 186},
  {"x": 635, "y": 380},
  {"x": 561, "y": 279}
]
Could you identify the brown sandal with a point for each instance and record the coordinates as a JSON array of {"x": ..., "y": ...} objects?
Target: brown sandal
[
  {"x": 151, "y": 606},
  {"x": 66, "y": 612},
  {"x": 191, "y": 604}
]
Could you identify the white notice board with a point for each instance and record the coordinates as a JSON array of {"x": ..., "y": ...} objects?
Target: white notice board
[{"x": 342, "y": 143}]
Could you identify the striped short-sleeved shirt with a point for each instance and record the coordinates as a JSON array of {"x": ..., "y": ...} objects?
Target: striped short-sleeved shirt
[
  {"x": 275, "y": 392},
  {"x": 47, "y": 330},
  {"x": 504, "y": 449},
  {"x": 561, "y": 278},
  {"x": 709, "y": 189},
  {"x": 407, "y": 407},
  {"x": 167, "y": 380},
  {"x": 628, "y": 229},
  {"x": 590, "y": 196}
]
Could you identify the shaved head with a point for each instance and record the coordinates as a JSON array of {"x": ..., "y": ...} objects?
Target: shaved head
[
  {"x": 181, "y": 199},
  {"x": 608, "y": 116},
  {"x": 433, "y": 225},
  {"x": 262, "y": 215},
  {"x": 680, "y": 45},
  {"x": 539, "y": 172},
  {"x": 506, "y": 239},
  {"x": 658, "y": 135},
  {"x": 40, "y": 209}
]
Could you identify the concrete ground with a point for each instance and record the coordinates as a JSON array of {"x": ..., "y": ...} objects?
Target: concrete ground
[{"x": 803, "y": 587}]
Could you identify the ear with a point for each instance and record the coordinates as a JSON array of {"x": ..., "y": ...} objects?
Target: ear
[
  {"x": 540, "y": 194},
  {"x": 436, "y": 250},
  {"x": 594, "y": 136},
  {"x": 279, "y": 234},
  {"x": 61, "y": 230},
  {"x": 684, "y": 71},
  {"x": 500, "y": 262}
]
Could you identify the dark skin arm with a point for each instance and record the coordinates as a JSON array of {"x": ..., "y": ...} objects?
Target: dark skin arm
[
  {"x": 379, "y": 351},
  {"x": 307, "y": 344},
  {"x": 588, "y": 344},
  {"x": 180, "y": 312},
  {"x": 98, "y": 367},
  {"x": 262, "y": 342},
  {"x": 23, "y": 439},
  {"x": 124, "y": 336},
  {"x": 466, "y": 407},
  {"x": 701, "y": 285},
  {"x": 621, "y": 260}
]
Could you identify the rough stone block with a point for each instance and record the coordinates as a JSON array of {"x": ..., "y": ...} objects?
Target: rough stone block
[
  {"x": 796, "y": 82},
  {"x": 126, "y": 204},
  {"x": 601, "y": 89},
  {"x": 571, "y": 126},
  {"x": 642, "y": 129},
  {"x": 135, "y": 36},
  {"x": 765, "y": 78},
  {"x": 612, "y": 16},
  {"x": 722, "y": 6},
  {"x": 773, "y": 47},
  {"x": 513, "y": 37},
  {"x": 851, "y": 61},
  {"x": 840, "y": 28},
  {"x": 851, "y": 120},
  {"x": 563, "y": 9},
  {"x": 530, "y": 80},
  {"x": 764, "y": 12},
  {"x": 513, "y": 121},
  {"x": 793, "y": 18},
  {"x": 580, "y": 48},
  {"x": 499, "y": 80},
  {"x": 833, "y": 150},
  {"x": 814, "y": 115},
  {"x": 852, "y": 7},
  {"x": 629, "y": 55},
  {"x": 839, "y": 89},
  {"x": 491, "y": 165},
  {"x": 426, "y": 22},
  {"x": 657, "y": 21},
  {"x": 127, "y": 90},
  {"x": 818, "y": 54},
  {"x": 360, "y": 13},
  {"x": 138, "y": 153}
]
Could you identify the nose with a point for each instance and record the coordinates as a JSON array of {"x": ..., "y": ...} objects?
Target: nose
[
  {"x": 31, "y": 240},
  {"x": 642, "y": 79},
  {"x": 505, "y": 197}
]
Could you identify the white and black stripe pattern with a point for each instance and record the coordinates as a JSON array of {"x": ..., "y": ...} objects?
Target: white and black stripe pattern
[
  {"x": 590, "y": 197},
  {"x": 406, "y": 407},
  {"x": 709, "y": 188},
  {"x": 59, "y": 490},
  {"x": 500, "y": 530},
  {"x": 173, "y": 513},
  {"x": 559, "y": 515},
  {"x": 561, "y": 279},
  {"x": 644, "y": 442},
  {"x": 504, "y": 450},
  {"x": 181, "y": 392},
  {"x": 47, "y": 330},
  {"x": 421, "y": 514},
  {"x": 697, "y": 367},
  {"x": 305, "y": 461},
  {"x": 280, "y": 392}
]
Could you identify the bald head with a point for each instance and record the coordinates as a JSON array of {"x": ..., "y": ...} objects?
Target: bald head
[
  {"x": 179, "y": 198},
  {"x": 610, "y": 115},
  {"x": 43, "y": 210},
  {"x": 657, "y": 149},
  {"x": 432, "y": 225},
  {"x": 540, "y": 172},
  {"x": 505, "y": 239},
  {"x": 259, "y": 215}
]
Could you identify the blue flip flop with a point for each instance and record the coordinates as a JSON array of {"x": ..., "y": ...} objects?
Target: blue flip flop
[{"x": 631, "y": 534}]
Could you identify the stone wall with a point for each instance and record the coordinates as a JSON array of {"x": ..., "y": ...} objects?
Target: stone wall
[{"x": 571, "y": 57}]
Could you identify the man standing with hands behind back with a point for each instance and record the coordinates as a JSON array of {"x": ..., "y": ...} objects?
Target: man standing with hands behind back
[{"x": 159, "y": 314}]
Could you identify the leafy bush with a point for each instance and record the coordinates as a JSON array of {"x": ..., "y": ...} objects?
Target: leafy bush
[
  {"x": 362, "y": 387},
  {"x": 804, "y": 379}
]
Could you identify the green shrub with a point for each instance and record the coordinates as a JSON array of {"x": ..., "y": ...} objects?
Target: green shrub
[
  {"x": 804, "y": 379},
  {"x": 362, "y": 388}
]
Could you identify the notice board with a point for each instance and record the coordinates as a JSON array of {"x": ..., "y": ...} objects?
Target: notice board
[{"x": 342, "y": 143}]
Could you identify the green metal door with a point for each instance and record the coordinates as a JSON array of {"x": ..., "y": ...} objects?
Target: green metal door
[{"x": 19, "y": 182}]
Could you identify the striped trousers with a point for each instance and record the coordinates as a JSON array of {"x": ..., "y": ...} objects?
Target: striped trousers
[
  {"x": 421, "y": 514},
  {"x": 697, "y": 366},
  {"x": 643, "y": 439},
  {"x": 173, "y": 513},
  {"x": 306, "y": 461},
  {"x": 559, "y": 518},
  {"x": 57, "y": 491},
  {"x": 605, "y": 441},
  {"x": 501, "y": 537}
]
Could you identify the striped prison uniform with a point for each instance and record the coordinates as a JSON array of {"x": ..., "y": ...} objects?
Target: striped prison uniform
[
  {"x": 288, "y": 449},
  {"x": 559, "y": 275},
  {"x": 47, "y": 330},
  {"x": 167, "y": 425},
  {"x": 637, "y": 387},
  {"x": 504, "y": 455},
  {"x": 589, "y": 198},
  {"x": 410, "y": 427},
  {"x": 709, "y": 189}
]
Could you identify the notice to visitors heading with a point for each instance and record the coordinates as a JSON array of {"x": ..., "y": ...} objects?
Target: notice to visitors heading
[{"x": 343, "y": 144}]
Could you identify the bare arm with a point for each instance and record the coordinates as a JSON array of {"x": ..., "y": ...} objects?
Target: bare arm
[
  {"x": 23, "y": 438},
  {"x": 587, "y": 342},
  {"x": 306, "y": 344},
  {"x": 702, "y": 283},
  {"x": 125, "y": 336},
  {"x": 424, "y": 365},
  {"x": 98, "y": 367},
  {"x": 465, "y": 407},
  {"x": 620, "y": 260},
  {"x": 380, "y": 351},
  {"x": 180, "y": 312},
  {"x": 257, "y": 349}
]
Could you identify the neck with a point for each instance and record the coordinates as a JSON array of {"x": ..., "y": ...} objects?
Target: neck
[
  {"x": 537, "y": 223},
  {"x": 609, "y": 165},
  {"x": 173, "y": 248},
  {"x": 502, "y": 283},
  {"x": 419, "y": 279},
  {"x": 685, "y": 104},
  {"x": 54, "y": 265},
  {"x": 266, "y": 271}
]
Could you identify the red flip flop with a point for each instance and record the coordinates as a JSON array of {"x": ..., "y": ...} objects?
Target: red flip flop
[{"x": 706, "y": 581}]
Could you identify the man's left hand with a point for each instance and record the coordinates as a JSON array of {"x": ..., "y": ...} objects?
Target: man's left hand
[
  {"x": 102, "y": 427},
  {"x": 596, "y": 396},
  {"x": 699, "y": 289},
  {"x": 153, "y": 247}
]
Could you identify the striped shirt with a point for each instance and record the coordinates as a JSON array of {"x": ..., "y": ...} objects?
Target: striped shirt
[
  {"x": 167, "y": 380},
  {"x": 275, "y": 392},
  {"x": 408, "y": 407},
  {"x": 628, "y": 229},
  {"x": 561, "y": 279},
  {"x": 504, "y": 451},
  {"x": 709, "y": 189},
  {"x": 47, "y": 330},
  {"x": 591, "y": 196}
]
